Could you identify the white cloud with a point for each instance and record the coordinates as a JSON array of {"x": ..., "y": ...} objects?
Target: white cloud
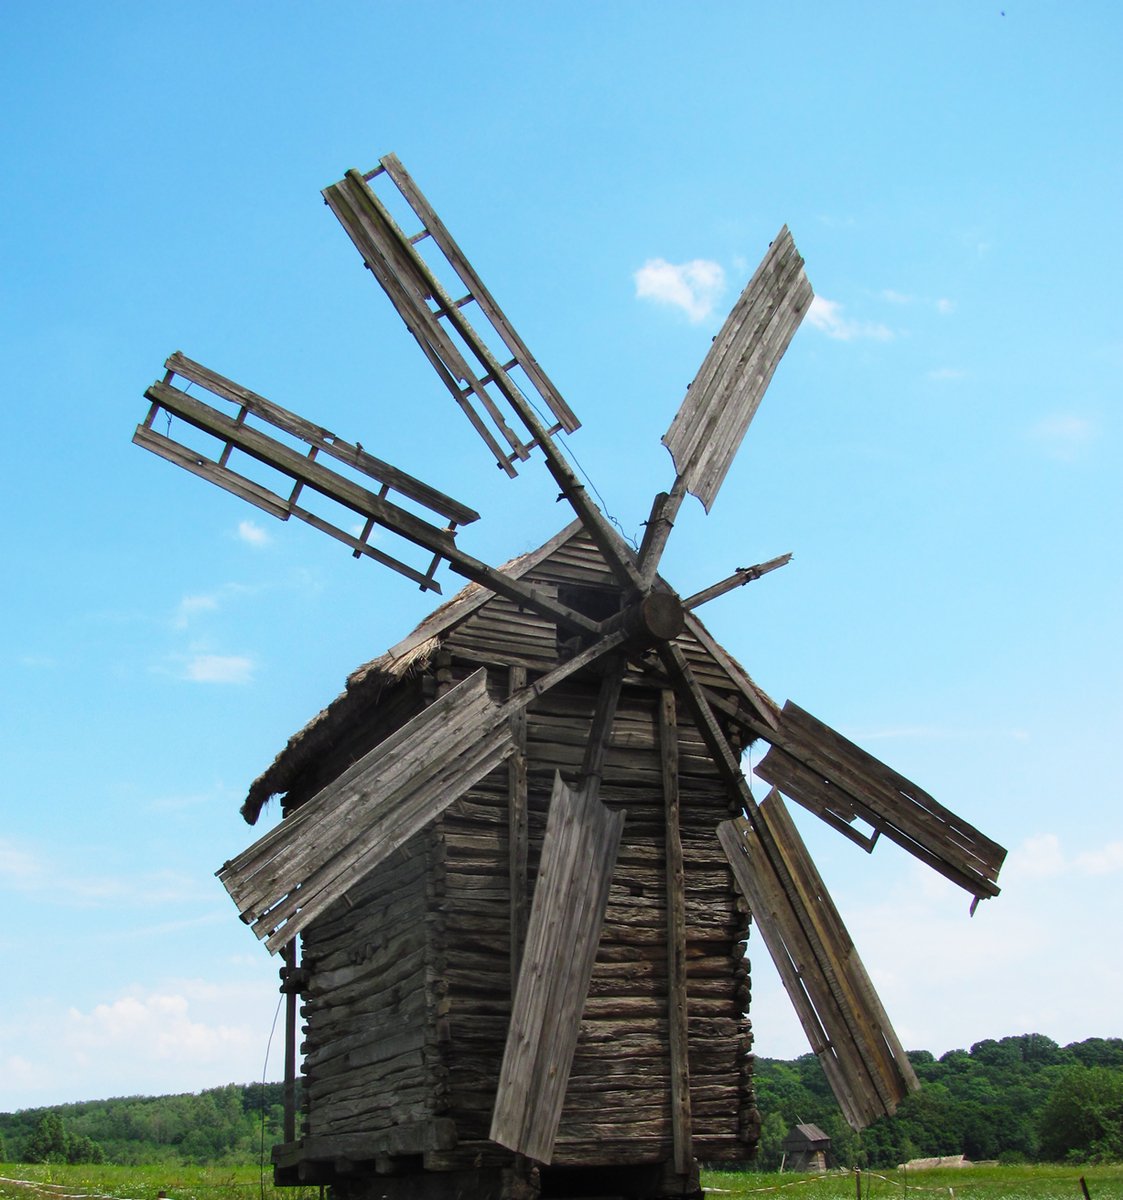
[
  {"x": 18, "y": 868},
  {"x": 1105, "y": 861},
  {"x": 252, "y": 534},
  {"x": 895, "y": 297},
  {"x": 944, "y": 306},
  {"x": 180, "y": 1035},
  {"x": 694, "y": 287},
  {"x": 219, "y": 668},
  {"x": 947, "y": 374},
  {"x": 1063, "y": 436},
  {"x": 827, "y": 316},
  {"x": 190, "y": 607}
]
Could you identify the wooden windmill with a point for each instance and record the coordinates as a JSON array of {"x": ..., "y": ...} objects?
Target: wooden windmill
[{"x": 519, "y": 849}]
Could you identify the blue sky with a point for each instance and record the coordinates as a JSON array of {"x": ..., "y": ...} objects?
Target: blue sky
[{"x": 939, "y": 449}]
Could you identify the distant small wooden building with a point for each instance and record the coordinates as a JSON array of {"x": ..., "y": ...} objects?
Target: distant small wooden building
[{"x": 806, "y": 1149}]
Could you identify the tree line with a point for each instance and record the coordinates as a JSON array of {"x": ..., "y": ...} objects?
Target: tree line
[
  {"x": 1018, "y": 1099},
  {"x": 221, "y": 1125}
]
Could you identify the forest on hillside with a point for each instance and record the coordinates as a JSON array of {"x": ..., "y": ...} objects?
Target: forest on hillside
[{"x": 1018, "y": 1099}]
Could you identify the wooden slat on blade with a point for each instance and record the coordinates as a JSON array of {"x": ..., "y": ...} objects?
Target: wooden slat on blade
[
  {"x": 844, "y": 1021},
  {"x": 567, "y": 912},
  {"x": 475, "y": 287},
  {"x": 332, "y": 841},
  {"x": 722, "y": 400},
  {"x": 830, "y": 772}
]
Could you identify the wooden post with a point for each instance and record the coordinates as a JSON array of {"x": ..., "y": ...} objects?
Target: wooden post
[
  {"x": 517, "y": 826},
  {"x": 289, "y": 988},
  {"x": 676, "y": 939}
]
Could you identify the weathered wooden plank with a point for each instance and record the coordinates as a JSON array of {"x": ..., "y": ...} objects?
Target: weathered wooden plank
[
  {"x": 725, "y": 394},
  {"x": 566, "y": 917}
]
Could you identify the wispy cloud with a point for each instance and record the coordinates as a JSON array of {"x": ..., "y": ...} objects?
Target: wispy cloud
[
  {"x": 190, "y": 607},
  {"x": 947, "y": 374},
  {"x": 942, "y": 305},
  {"x": 1063, "y": 436},
  {"x": 38, "y": 662},
  {"x": 1042, "y": 856},
  {"x": 253, "y": 534},
  {"x": 693, "y": 287},
  {"x": 219, "y": 668},
  {"x": 65, "y": 879},
  {"x": 827, "y": 316}
]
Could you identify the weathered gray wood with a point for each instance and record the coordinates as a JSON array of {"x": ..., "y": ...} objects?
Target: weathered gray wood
[
  {"x": 725, "y": 394},
  {"x": 738, "y": 579},
  {"x": 322, "y": 439},
  {"x": 677, "y": 1010},
  {"x": 819, "y": 965},
  {"x": 297, "y": 870},
  {"x": 851, "y": 781},
  {"x": 566, "y": 916},
  {"x": 518, "y": 830},
  {"x": 474, "y": 285},
  {"x": 409, "y": 284},
  {"x": 270, "y": 502}
]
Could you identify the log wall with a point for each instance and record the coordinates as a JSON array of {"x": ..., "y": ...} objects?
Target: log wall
[{"x": 411, "y": 974}]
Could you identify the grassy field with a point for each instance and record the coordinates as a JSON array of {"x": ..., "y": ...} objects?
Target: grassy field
[
  {"x": 49, "y": 1182},
  {"x": 967, "y": 1183}
]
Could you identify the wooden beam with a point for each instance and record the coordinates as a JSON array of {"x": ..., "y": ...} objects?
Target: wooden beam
[
  {"x": 738, "y": 579},
  {"x": 518, "y": 827},
  {"x": 677, "y": 1010}
]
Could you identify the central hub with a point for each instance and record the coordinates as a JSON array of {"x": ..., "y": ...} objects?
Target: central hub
[{"x": 658, "y": 617}]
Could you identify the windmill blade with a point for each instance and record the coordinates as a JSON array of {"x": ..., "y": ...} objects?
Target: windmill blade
[
  {"x": 845, "y": 1023},
  {"x": 307, "y": 474},
  {"x": 480, "y": 384},
  {"x": 853, "y": 1013},
  {"x": 439, "y": 324},
  {"x": 566, "y": 916},
  {"x": 302, "y": 469},
  {"x": 725, "y": 394},
  {"x": 839, "y": 782},
  {"x": 738, "y": 579},
  {"x": 288, "y": 877}
]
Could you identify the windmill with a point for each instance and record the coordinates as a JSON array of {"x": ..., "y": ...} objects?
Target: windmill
[{"x": 636, "y": 700}]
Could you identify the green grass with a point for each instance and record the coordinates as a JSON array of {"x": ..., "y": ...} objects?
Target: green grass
[
  {"x": 20, "y": 1181},
  {"x": 1051, "y": 1182},
  {"x": 48, "y": 1181}
]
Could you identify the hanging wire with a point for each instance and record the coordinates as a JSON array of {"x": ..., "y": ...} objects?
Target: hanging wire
[{"x": 264, "y": 1076}]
